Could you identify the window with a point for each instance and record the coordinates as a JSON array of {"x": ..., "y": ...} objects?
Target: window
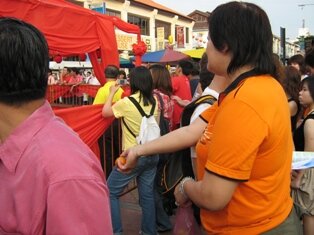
[
  {"x": 143, "y": 23},
  {"x": 110, "y": 12},
  {"x": 165, "y": 25},
  {"x": 179, "y": 35},
  {"x": 186, "y": 35}
]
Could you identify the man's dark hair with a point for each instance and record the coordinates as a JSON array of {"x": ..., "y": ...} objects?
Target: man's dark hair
[
  {"x": 111, "y": 71},
  {"x": 122, "y": 72},
  {"x": 196, "y": 69},
  {"x": 24, "y": 62},
  {"x": 186, "y": 66},
  {"x": 244, "y": 30},
  {"x": 298, "y": 59}
]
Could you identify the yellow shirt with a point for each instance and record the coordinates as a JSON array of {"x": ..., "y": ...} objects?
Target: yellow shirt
[
  {"x": 104, "y": 91},
  {"x": 126, "y": 109},
  {"x": 248, "y": 138}
]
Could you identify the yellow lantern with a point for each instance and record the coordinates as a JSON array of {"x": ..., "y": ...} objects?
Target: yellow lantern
[{"x": 170, "y": 39}]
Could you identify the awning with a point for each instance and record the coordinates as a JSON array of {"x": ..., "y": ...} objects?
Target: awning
[{"x": 195, "y": 53}]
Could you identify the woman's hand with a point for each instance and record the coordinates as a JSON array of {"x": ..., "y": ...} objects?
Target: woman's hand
[
  {"x": 131, "y": 156},
  {"x": 180, "y": 198},
  {"x": 113, "y": 89},
  {"x": 294, "y": 174}
]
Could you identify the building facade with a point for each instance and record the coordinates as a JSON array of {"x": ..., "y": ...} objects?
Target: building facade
[
  {"x": 200, "y": 28},
  {"x": 160, "y": 26}
]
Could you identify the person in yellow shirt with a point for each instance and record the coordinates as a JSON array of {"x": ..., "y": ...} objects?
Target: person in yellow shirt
[
  {"x": 112, "y": 145},
  {"x": 111, "y": 74},
  {"x": 141, "y": 84},
  {"x": 244, "y": 149}
]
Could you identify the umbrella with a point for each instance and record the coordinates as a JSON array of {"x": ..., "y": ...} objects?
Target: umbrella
[
  {"x": 164, "y": 56},
  {"x": 195, "y": 53}
]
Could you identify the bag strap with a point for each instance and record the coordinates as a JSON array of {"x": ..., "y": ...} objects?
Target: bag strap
[
  {"x": 207, "y": 99},
  {"x": 140, "y": 109},
  {"x": 128, "y": 128}
]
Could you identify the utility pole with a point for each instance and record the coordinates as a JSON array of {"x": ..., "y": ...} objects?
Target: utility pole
[
  {"x": 302, "y": 6},
  {"x": 305, "y": 4},
  {"x": 283, "y": 44}
]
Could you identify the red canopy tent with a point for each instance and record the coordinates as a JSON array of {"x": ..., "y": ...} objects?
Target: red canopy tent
[{"x": 71, "y": 29}]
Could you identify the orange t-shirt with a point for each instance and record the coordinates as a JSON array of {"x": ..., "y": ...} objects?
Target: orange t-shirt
[{"x": 248, "y": 138}]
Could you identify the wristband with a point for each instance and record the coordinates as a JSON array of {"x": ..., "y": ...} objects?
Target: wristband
[{"x": 181, "y": 186}]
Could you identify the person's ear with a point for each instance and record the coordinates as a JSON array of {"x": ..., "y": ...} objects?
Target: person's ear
[{"x": 225, "y": 49}]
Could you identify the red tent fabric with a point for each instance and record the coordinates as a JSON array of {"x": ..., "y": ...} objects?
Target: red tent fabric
[
  {"x": 71, "y": 29},
  {"x": 87, "y": 121}
]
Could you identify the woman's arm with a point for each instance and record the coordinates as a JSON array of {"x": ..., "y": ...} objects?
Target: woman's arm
[
  {"x": 297, "y": 175},
  {"x": 217, "y": 190},
  {"x": 309, "y": 135},
  {"x": 181, "y": 138},
  {"x": 181, "y": 102},
  {"x": 107, "y": 109},
  {"x": 293, "y": 108}
]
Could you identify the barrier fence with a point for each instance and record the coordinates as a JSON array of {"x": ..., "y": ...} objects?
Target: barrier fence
[
  {"x": 67, "y": 96},
  {"x": 71, "y": 95}
]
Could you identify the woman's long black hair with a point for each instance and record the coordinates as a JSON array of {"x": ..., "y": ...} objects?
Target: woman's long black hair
[{"x": 141, "y": 80}]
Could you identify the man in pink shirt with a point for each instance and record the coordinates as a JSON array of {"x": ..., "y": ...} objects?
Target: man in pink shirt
[
  {"x": 181, "y": 88},
  {"x": 50, "y": 181}
]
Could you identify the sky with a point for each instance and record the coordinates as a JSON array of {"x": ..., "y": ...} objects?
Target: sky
[{"x": 281, "y": 13}]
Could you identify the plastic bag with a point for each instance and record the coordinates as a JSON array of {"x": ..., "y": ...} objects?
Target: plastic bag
[{"x": 185, "y": 223}]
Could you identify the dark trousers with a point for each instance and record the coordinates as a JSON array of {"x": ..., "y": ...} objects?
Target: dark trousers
[
  {"x": 112, "y": 150},
  {"x": 291, "y": 226}
]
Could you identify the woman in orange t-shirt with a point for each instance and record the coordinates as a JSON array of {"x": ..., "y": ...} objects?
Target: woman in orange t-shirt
[{"x": 244, "y": 155}]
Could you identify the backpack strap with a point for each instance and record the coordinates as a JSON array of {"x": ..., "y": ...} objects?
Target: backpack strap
[
  {"x": 206, "y": 99},
  {"x": 140, "y": 109},
  {"x": 128, "y": 128},
  {"x": 189, "y": 109}
]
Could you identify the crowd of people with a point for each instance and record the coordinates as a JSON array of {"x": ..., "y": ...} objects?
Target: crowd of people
[
  {"x": 241, "y": 146},
  {"x": 72, "y": 76}
]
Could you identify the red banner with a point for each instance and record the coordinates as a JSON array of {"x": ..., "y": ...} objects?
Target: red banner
[
  {"x": 87, "y": 121},
  {"x": 91, "y": 90},
  {"x": 55, "y": 91}
]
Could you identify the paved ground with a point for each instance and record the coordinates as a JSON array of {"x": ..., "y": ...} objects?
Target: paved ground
[{"x": 131, "y": 214}]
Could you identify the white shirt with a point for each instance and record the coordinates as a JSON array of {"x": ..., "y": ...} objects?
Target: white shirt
[{"x": 199, "y": 109}]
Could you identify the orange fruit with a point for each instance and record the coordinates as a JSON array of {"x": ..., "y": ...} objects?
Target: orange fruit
[{"x": 121, "y": 159}]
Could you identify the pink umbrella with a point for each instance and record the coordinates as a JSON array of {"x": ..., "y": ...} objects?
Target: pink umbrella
[{"x": 164, "y": 56}]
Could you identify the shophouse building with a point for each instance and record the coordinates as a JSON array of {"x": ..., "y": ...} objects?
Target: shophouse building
[{"x": 160, "y": 26}]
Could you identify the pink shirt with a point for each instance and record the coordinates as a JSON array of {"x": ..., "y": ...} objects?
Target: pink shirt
[
  {"x": 168, "y": 105},
  {"x": 50, "y": 181}
]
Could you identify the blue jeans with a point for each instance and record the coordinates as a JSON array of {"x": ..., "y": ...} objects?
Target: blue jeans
[{"x": 144, "y": 172}]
